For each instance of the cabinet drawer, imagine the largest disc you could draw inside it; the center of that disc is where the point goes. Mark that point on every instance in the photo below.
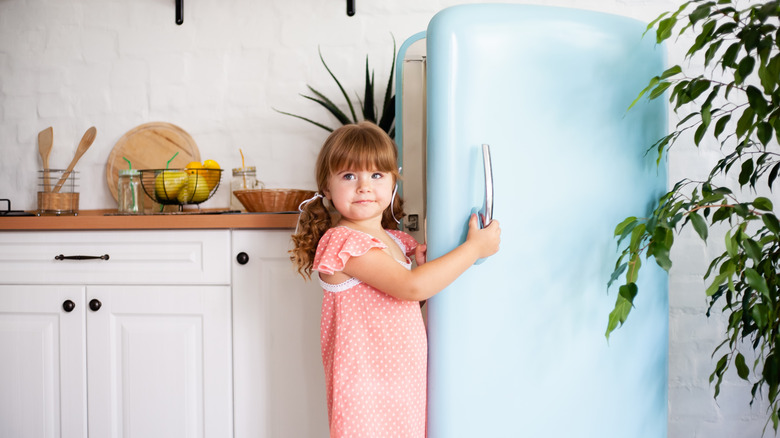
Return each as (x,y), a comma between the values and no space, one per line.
(134,257)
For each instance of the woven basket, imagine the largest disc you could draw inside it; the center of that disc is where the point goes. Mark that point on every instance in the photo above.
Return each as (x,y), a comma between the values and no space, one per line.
(272,200)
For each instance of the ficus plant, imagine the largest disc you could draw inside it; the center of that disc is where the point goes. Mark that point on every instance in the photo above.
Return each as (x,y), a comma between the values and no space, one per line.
(735,102)
(382,115)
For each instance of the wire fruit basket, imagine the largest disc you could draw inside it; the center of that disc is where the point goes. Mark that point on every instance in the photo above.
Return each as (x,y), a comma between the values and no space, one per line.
(180,186)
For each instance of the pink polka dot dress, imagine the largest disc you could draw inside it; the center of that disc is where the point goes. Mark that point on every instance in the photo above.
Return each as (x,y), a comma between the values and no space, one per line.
(374,346)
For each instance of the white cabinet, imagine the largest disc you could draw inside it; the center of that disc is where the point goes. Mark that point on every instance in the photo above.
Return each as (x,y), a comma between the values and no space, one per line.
(132,357)
(42,367)
(155,345)
(159,361)
(279,380)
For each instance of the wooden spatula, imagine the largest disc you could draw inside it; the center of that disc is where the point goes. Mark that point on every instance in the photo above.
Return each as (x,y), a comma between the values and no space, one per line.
(84,144)
(45,141)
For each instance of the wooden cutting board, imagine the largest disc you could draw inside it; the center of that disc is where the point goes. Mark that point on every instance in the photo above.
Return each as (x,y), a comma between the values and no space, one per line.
(150,146)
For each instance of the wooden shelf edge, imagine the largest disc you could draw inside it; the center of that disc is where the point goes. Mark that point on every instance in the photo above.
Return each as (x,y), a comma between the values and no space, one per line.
(99,220)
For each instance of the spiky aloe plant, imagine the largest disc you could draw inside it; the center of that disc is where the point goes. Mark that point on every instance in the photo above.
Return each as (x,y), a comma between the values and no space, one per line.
(385,119)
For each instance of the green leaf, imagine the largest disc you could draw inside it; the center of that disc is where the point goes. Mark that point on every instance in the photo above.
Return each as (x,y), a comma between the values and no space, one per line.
(616,273)
(760,313)
(756,281)
(771,223)
(633,268)
(720,368)
(327,128)
(653,82)
(343,92)
(745,122)
(699,134)
(702,11)
(752,250)
(388,107)
(700,225)
(628,292)
(716,282)
(744,68)
(369,110)
(731,244)
(671,71)
(730,55)
(762,203)
(757,101)
(631,220)
(773,175)
(637,235)
(659,90)
(328,105)
(746,172)
(742,369)
(720,125)
(764,132)
(665,27)
(619,314)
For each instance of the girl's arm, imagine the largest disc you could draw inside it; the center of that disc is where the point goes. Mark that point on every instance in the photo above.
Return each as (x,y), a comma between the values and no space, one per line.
(381,271)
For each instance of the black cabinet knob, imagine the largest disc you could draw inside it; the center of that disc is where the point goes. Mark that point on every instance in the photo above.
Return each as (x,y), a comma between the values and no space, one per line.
(242,258)
(95,305)
(68,306)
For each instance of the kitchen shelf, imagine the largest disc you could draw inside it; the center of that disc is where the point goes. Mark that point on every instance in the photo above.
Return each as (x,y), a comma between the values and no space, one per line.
(109,220)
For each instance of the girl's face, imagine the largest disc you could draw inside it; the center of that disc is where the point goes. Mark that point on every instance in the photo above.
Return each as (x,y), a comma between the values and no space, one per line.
(360,195)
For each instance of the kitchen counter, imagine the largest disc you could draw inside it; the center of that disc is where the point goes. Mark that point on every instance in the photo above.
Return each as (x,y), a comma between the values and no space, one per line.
(110,220)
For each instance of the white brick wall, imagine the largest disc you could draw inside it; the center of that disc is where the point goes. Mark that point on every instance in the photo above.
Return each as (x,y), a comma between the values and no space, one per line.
(116,64)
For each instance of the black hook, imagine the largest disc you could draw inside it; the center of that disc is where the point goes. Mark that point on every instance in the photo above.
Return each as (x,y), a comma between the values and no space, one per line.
(350,7)
(179,12)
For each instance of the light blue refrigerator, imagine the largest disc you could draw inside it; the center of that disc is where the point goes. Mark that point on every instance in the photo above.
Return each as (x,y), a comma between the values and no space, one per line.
(517,345)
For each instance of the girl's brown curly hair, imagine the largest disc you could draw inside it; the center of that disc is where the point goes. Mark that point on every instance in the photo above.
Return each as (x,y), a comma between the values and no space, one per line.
(356,147)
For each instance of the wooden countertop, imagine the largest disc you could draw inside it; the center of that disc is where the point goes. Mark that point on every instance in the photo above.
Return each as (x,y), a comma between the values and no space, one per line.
(110,220)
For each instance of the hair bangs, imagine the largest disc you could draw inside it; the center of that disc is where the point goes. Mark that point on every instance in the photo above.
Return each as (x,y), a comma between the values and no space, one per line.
(364,149)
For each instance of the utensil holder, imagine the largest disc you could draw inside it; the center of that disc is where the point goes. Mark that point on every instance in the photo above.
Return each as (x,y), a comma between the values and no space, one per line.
(63,203)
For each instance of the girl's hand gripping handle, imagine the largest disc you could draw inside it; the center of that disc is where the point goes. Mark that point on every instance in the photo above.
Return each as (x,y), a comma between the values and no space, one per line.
(486,240)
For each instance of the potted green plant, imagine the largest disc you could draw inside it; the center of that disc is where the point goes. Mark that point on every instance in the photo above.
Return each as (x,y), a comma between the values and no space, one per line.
(736,102)
(383,116)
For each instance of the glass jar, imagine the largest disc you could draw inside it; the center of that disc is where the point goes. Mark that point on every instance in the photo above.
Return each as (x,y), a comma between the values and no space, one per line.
(244,178)
(130,194)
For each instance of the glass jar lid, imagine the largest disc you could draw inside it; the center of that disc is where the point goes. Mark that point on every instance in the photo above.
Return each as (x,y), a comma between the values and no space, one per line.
(247,169)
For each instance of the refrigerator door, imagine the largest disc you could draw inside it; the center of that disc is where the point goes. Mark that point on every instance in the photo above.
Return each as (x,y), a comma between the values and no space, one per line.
(517,346)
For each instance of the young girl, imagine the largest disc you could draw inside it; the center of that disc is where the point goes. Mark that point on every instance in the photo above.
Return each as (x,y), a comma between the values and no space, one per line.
(374,346)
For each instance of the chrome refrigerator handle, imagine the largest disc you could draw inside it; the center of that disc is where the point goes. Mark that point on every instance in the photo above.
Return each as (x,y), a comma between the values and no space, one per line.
(486,214)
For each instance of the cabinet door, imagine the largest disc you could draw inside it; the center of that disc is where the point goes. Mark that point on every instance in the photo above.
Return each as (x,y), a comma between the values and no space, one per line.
(280,384)
(42,369)
(159,361)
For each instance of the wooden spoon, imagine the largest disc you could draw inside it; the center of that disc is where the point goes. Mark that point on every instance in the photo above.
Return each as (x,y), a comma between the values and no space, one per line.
(84,144)
(45,141)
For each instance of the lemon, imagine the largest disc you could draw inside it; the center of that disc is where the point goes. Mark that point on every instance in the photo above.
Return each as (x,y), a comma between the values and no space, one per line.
(168,183)
(212,177)
(195,191)
(193,165)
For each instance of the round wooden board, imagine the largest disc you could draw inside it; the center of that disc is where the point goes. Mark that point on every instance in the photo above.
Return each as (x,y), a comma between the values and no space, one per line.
(150,146)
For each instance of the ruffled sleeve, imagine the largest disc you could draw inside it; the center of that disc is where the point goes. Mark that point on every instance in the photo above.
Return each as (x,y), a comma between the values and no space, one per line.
(338,245)
(409,242)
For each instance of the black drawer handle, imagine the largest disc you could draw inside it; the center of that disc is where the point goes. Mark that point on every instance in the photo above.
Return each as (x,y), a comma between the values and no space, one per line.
(80,257)
(68,306)
(95,304)
(242,258)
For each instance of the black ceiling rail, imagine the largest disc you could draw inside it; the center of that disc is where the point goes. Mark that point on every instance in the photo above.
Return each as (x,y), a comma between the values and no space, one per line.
(350,7)
(179,12)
